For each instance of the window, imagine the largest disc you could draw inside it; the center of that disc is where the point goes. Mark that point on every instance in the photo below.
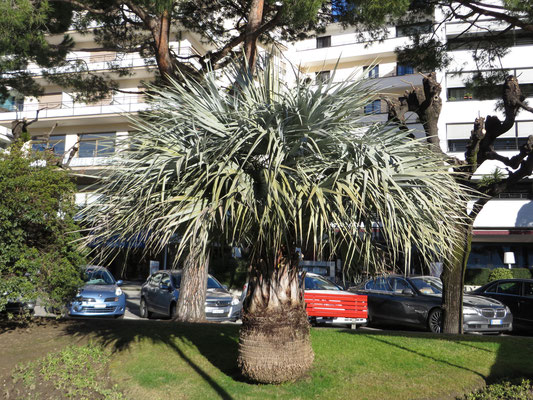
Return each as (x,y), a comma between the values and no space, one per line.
(155,279)
(398,285)
(165,280)
(56,143)
(380,284)
(414,29)
(97,145)
(322,77)
(373,108)
(459,145)
(12,104)
(528,289)
(323,41)
(404,70)
(372,72)
(509,288)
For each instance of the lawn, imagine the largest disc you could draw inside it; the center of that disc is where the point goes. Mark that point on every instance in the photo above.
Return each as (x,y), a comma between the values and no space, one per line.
(165,360)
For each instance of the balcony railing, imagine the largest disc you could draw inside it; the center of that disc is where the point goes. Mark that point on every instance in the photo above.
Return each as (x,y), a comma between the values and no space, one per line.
(122,60)
(70,108)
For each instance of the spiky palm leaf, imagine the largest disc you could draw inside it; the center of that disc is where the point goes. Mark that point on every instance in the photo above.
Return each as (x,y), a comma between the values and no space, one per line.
(274,166)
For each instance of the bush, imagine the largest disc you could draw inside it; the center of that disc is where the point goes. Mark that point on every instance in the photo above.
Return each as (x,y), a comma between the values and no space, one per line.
(38,258)
(480,276)
(500,273)
(505,390)
(229,271)
(521,273)
(477,276)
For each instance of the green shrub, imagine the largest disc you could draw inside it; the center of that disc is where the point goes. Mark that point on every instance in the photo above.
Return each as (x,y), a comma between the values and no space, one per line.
(521,273)
(229,271)
(477,276)
(505,390)
(500,273)
(481,276)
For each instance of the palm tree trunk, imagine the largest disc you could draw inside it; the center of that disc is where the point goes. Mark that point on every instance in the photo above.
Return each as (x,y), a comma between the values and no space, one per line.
(193,287)
(274,341)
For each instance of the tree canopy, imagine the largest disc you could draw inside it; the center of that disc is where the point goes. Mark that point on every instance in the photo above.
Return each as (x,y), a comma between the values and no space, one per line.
(146,28)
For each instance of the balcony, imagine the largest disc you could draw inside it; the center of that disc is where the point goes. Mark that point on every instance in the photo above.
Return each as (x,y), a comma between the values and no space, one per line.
(347,52)
(64,109)
(99,62)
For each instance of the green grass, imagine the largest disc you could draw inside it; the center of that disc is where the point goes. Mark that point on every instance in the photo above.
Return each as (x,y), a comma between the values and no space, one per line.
(165,360)
(171,361)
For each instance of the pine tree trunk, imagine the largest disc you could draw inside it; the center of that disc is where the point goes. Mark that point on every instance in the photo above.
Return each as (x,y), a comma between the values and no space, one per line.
(274,341)
(193,288)
(453,282)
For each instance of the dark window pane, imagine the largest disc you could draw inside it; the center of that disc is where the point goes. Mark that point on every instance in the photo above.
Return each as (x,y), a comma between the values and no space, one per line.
(323,41)
(528,289)
(414,29)
(97,144)
(404,70)
(509,287)
(372,72)
(322,77)
(57,143)
(373,108)
(87,149)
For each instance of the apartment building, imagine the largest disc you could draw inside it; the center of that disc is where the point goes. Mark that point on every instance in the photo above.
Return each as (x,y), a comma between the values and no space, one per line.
(504,225)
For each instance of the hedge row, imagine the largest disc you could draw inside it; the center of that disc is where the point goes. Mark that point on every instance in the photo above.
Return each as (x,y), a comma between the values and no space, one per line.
(480,276)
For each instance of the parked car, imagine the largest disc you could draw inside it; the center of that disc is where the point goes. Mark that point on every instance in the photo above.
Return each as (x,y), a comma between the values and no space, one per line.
(517,294)
(100,296)
(19,307)
(417,302)
(160,292)
(315,283)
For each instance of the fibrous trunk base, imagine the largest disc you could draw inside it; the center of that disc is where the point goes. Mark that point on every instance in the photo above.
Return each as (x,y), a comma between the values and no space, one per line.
(274,345)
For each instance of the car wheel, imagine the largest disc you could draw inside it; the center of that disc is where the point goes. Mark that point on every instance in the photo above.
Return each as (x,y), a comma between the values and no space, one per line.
(144,309)
(435,320)
(172,313)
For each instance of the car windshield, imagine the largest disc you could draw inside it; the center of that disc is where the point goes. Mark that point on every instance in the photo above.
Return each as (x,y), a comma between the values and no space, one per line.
(98,277)
(212,283)
(317,283)
(427,285)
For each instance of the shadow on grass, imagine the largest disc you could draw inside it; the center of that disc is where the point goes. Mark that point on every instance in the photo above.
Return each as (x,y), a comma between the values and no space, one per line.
(217,343)
(513,355)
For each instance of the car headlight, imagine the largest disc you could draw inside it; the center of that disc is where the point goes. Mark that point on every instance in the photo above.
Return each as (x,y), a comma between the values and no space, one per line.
(118,291)
(470,311)
(235,301)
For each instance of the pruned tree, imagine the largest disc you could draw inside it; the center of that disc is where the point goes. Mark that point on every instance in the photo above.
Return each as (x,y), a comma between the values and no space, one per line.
(426,103)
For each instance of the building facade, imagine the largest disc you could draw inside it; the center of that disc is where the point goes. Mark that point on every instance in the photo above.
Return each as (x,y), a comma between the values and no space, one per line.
(504,225)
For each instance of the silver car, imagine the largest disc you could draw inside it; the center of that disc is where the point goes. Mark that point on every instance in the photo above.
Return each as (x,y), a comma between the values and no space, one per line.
(160,292)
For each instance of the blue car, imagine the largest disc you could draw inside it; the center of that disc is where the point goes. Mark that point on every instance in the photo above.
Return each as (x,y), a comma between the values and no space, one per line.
(100,297)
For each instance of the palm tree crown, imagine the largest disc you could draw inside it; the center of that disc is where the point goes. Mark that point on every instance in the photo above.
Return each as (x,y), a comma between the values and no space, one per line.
(274,166)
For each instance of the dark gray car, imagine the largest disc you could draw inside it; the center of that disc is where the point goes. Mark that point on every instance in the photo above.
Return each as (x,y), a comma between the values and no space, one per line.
(517,294)
(160,292)
(417,302)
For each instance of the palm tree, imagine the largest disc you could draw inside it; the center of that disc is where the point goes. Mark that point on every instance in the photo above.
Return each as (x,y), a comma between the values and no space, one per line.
(276,167)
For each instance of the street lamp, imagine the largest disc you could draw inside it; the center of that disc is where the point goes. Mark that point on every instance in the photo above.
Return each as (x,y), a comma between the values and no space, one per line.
(508,258)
